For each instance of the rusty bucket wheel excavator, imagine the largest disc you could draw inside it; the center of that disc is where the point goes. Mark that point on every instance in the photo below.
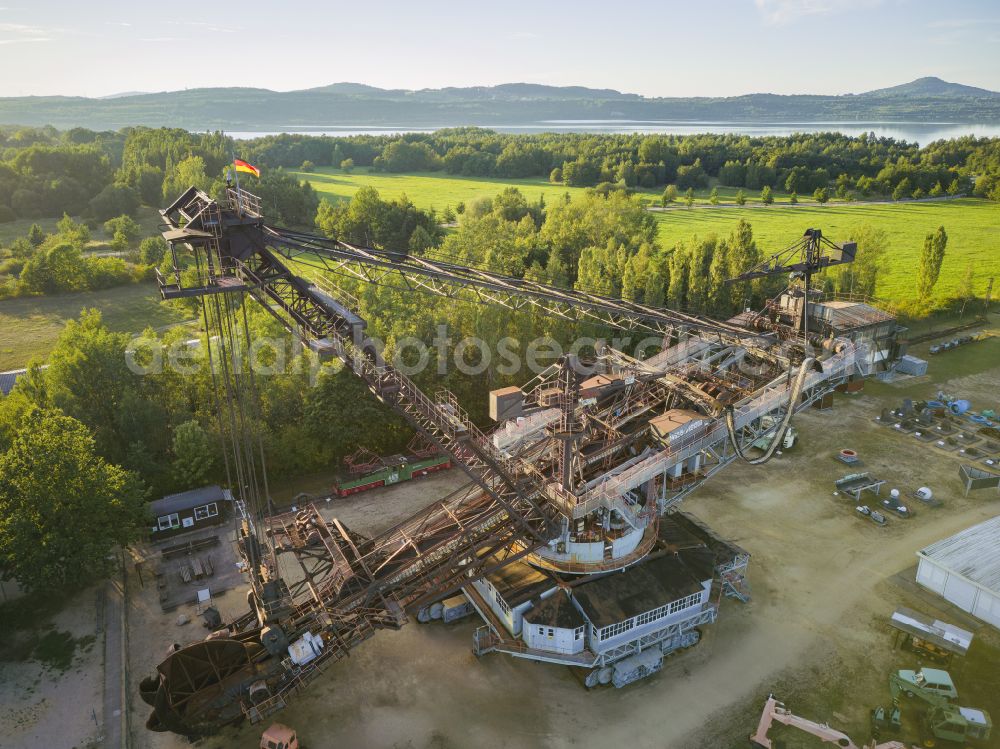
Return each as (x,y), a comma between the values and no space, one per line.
(583,461)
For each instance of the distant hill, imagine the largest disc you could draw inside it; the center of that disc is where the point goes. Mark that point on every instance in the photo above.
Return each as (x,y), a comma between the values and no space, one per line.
(931,86)
(360,105)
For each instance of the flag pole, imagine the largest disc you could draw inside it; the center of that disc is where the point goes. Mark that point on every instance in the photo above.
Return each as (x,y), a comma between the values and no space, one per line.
(236,175)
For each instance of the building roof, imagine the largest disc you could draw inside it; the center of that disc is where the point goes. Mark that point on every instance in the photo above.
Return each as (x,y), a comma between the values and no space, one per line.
(947,636)
(518,582)
(621,595)
(973,553)
(9,378)
(846,315)
(673,420)
(187,500)
(555,611)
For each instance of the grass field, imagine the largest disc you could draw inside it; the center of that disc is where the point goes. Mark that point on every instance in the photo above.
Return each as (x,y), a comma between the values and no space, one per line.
(148,218)
(438,189)
(973,225)
(973,228)
(31,325)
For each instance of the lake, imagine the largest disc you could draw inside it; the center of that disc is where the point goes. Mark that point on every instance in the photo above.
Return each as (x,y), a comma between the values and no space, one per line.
(921,132)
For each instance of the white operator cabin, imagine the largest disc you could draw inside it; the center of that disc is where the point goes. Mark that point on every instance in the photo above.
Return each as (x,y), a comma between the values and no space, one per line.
(965,570)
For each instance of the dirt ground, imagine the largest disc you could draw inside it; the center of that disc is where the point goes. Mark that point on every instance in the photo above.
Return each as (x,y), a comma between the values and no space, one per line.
(824,583)
(51,694)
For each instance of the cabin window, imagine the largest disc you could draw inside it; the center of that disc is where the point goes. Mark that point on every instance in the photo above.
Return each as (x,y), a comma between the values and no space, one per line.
(685,603)
(541,630)
(578,633)
(206,511)
(166,522)
(551,632)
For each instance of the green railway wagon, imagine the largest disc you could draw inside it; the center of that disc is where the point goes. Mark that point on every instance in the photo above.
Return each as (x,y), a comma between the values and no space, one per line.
(398,468)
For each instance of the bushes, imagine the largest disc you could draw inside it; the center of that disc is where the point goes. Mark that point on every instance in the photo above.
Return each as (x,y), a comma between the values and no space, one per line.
(55,269)
(124,232)
(285,199)
(59,267)
(26,203)
(401,156)
(152,250)
(691,176)
(114,200)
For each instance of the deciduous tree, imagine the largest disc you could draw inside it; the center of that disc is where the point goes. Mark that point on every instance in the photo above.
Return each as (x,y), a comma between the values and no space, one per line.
(930,263)
(63,508)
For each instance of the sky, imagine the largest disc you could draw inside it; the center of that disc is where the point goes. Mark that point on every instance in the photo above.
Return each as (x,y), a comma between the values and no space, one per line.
(664,48)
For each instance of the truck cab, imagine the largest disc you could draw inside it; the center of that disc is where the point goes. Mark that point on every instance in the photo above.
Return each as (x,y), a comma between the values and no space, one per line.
(954,725)
(929,684)
(279,736)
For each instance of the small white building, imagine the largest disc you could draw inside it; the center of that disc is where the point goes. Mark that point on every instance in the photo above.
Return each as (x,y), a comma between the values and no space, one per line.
(509,591)
(965,570)
(554,624)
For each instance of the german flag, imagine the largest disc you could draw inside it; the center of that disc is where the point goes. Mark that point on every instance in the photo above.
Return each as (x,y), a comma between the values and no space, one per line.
(242,166)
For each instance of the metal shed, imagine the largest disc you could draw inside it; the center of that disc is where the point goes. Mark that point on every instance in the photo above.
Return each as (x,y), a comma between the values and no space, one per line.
(965,570)
(911,365)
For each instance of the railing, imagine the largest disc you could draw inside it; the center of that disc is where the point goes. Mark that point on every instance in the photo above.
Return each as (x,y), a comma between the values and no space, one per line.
(337,292)
(244,203)
(605,565)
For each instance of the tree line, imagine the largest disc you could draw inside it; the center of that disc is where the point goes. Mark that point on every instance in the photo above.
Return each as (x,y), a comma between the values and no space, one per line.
(802,163)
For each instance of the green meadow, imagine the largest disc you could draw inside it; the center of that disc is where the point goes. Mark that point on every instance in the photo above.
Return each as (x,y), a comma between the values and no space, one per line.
(439,189)
(32,324)
(973,228)
(973,225)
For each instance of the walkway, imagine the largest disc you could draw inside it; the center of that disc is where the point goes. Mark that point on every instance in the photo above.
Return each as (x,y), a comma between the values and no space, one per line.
(114,661)
(803,203)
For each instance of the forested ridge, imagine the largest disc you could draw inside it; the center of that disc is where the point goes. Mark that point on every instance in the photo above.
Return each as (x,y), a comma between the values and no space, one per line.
(516,103)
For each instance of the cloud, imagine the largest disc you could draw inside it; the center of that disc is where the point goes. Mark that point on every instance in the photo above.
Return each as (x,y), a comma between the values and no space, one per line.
(779,12)
(210,27)
(26,40)
(21,33)
(962,23)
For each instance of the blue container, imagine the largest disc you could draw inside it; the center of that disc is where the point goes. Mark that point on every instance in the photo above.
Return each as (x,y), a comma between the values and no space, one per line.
(935,404)
(959,406)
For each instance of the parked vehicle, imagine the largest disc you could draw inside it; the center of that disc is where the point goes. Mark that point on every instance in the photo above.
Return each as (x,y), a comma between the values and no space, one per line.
(929,684)
(951,725)
(279,736)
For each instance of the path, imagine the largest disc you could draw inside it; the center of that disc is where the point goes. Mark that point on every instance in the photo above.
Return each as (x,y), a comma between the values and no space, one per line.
(802,204)
(113,665)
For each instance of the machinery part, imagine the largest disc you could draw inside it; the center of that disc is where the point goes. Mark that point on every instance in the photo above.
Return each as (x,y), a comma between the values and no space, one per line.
(779,433)
(776,712)
(279,736)
(350,585)
(191,681)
